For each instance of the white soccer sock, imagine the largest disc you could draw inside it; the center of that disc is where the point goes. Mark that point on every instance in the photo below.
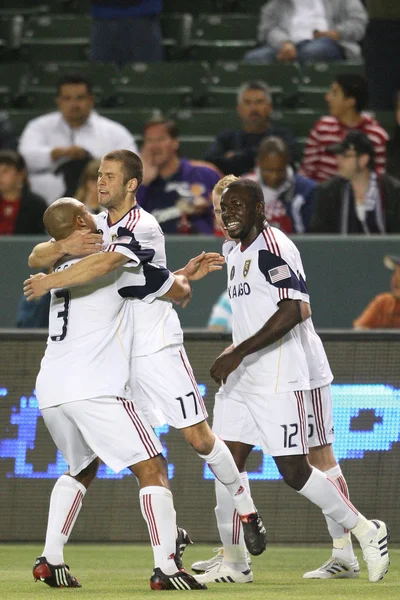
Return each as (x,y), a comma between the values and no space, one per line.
(221,463)
(323,492)
(342,546)
(230,527)
(65,505)
(158,511)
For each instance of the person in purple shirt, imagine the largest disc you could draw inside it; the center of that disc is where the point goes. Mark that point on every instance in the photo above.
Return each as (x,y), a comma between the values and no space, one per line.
(176,191)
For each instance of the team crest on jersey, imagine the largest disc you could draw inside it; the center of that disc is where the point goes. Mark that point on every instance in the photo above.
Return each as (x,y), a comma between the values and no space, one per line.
(99,231)
(246,267)
(232,275)
(114,237)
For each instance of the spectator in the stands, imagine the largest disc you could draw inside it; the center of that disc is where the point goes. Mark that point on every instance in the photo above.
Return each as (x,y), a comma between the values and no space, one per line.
(347,99)
(393,145)
(309,31)
(87,191)
(383,312)
(21,211)
(358,200)
(8,138)
(289,198)
(234,150)
(58,145)
(125,31)
(175,190)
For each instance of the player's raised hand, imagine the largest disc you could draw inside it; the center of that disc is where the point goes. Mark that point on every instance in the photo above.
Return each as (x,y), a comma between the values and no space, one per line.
(199,266)
(82,243)
(225,364)
(35,286)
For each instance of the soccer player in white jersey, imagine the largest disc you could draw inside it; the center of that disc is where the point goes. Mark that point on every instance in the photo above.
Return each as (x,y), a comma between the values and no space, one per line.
(90,414)
(234,424)
(266,367)
(163,381)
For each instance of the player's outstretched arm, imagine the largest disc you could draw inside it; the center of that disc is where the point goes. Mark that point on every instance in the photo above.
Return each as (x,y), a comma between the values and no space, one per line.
(180,291)
(85,270)
(79,243)
(199,266)
(282,321)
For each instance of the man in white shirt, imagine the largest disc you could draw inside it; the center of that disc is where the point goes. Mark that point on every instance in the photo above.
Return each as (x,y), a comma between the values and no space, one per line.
(309,31)
(266,371)
(163,382)
(84,395)
(57,145)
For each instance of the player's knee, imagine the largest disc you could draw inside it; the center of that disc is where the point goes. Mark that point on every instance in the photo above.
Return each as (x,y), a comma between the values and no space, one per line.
(200,437)
(295,470)
(86,476)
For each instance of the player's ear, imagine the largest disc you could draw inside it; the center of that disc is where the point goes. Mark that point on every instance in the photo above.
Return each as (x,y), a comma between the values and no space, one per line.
(132,185)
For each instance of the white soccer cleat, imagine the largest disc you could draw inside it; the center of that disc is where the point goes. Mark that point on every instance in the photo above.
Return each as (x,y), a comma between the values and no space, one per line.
(335,568)
(375,552)
(201,566)
(204,565)
(221,573)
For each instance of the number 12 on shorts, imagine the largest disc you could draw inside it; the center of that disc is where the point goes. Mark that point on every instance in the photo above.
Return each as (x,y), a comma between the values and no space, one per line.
(182,401)
(290,431)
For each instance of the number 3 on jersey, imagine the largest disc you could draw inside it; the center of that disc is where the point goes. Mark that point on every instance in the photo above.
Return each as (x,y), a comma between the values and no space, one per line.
(62,314)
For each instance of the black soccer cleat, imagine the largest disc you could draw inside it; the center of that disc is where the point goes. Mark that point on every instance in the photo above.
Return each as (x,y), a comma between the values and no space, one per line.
(181,580)
(182,540)
(255,535)
(56,576)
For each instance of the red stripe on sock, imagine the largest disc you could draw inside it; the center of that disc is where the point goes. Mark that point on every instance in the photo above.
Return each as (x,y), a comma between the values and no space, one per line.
(148,510)
(72,513)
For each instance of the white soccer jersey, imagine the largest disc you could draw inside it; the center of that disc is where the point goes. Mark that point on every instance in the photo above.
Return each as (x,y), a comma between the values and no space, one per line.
(155,322)
(259,277)
(89,344)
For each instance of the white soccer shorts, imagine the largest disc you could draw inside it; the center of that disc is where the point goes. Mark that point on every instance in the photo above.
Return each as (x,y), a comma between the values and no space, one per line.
(165,389)
(233,420)
(111,428)
(280,420)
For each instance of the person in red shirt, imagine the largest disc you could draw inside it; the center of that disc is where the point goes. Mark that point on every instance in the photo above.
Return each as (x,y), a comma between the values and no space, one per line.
(383,312)
(21,211)
(347,99)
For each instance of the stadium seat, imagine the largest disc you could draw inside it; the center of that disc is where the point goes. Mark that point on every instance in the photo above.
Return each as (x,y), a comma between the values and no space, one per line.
(172,84)
(204,122)
(56,38)
(12,76)
(298,121)
(214,50)
(19,118)
(227,77)
(176,31)
(205,6)
(194,146)
(43,78)
(23,7)
(132,119)
(225,27)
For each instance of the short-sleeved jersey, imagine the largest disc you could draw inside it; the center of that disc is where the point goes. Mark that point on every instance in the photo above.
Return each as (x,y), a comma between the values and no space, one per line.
(259,277)
(138,235)
(89,344)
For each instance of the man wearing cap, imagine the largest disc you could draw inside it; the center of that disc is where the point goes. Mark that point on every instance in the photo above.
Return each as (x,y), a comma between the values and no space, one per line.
(383,312)
(358,200)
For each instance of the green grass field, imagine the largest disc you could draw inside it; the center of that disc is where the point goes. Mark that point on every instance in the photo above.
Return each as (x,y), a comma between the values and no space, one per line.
(120,572)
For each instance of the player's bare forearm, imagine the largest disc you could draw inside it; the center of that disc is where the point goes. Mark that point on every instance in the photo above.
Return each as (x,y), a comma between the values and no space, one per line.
(286,317)
(180,291)
(87,269)
(45,255)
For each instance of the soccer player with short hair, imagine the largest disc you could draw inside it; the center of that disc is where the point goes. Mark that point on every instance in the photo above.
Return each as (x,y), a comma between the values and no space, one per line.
(90,414)
(234,424)
(266,369)
(172,396)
